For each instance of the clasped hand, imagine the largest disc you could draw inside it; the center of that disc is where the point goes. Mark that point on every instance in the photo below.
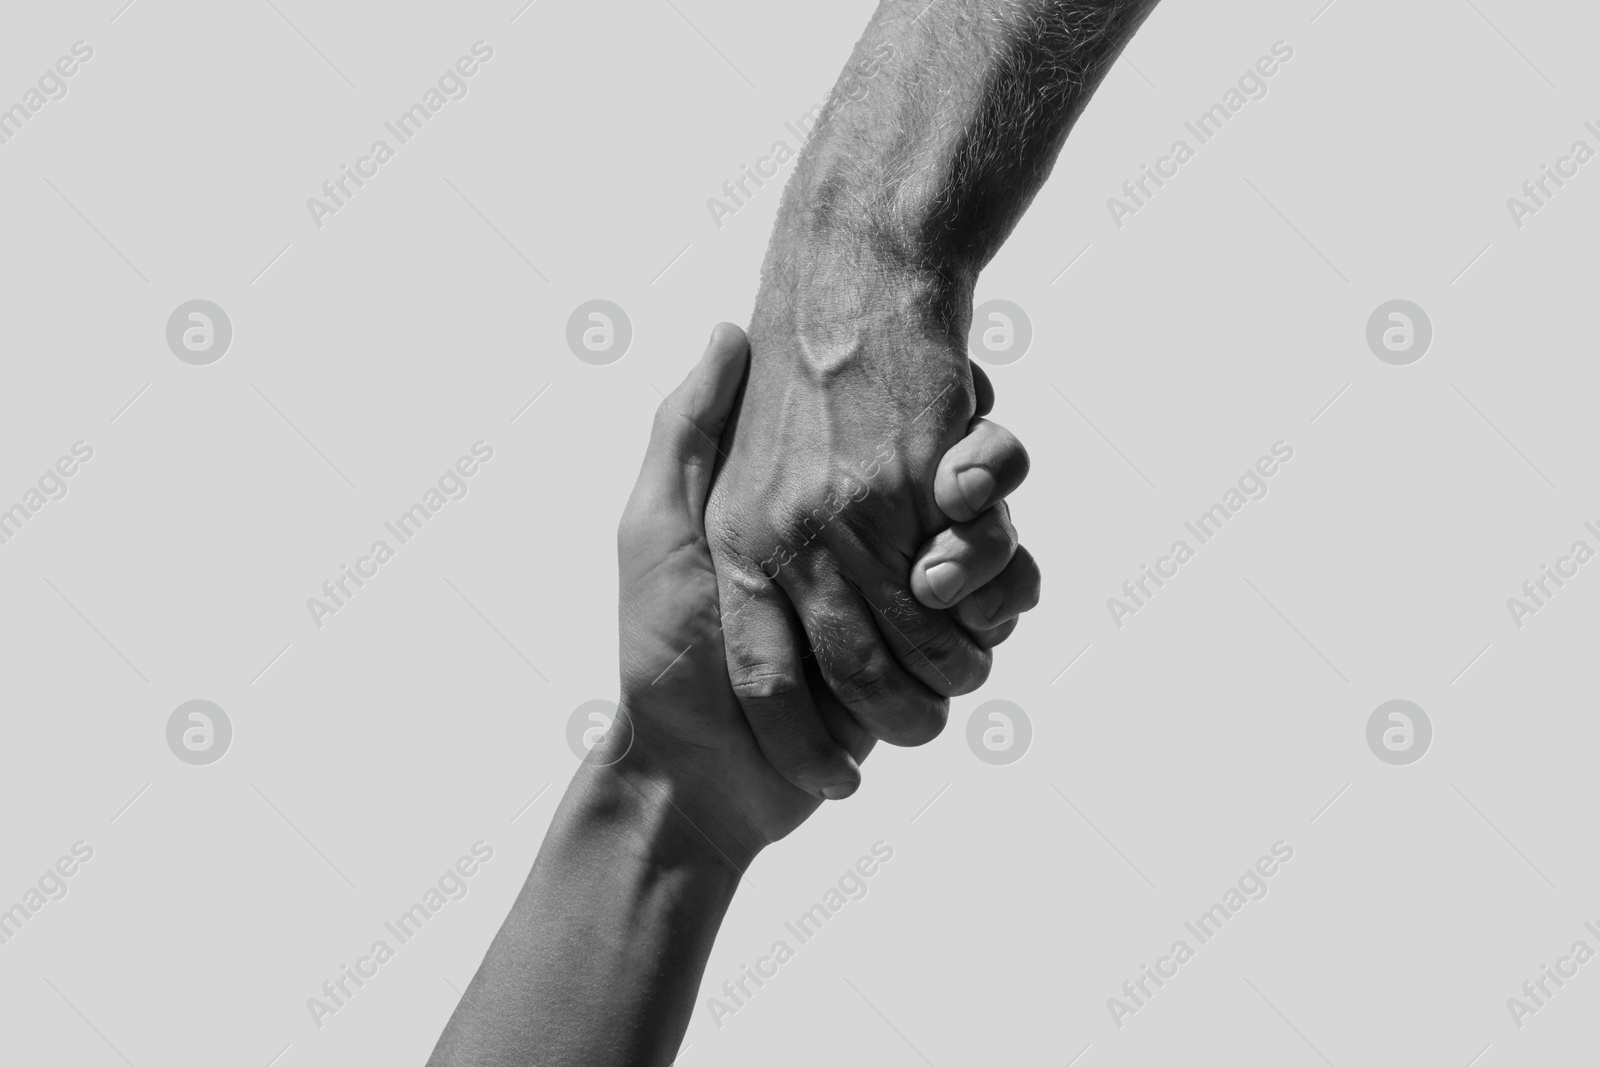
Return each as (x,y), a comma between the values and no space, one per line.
(747,780)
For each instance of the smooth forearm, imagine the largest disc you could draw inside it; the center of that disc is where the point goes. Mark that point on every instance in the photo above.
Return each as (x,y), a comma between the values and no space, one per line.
(600,958)
(926,174)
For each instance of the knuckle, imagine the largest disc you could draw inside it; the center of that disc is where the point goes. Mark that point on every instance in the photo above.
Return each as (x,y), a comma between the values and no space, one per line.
(959,664)
(976,673)
(781,522)
(1005,450)
(1023,461)
(862,678)
(889,703)
(818,502)
(999,535)
(1010,447)
(942,644)
(732,544)
(997,635)
(1026,598)
(977,618)
(1029,579)
(762,682)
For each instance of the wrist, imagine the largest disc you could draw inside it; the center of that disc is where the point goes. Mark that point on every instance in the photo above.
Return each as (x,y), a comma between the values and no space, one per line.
(667,817)
(842,289)
(838,231)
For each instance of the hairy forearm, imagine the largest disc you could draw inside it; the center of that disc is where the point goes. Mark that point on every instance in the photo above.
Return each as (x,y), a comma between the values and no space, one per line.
(925,176)
(599,961)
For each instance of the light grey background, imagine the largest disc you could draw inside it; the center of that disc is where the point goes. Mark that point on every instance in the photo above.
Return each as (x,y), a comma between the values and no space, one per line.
(369,354)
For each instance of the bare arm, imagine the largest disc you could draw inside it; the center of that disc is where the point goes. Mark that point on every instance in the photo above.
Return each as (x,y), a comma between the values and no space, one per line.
(859,376)
(930,171)
(600,959)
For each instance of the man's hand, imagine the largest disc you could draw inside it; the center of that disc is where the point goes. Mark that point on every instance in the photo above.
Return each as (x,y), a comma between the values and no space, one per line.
(859,379)
(825,496)
(976,567)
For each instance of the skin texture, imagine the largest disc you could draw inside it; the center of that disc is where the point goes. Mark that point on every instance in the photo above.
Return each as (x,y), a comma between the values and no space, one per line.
(860,381)
(600,959)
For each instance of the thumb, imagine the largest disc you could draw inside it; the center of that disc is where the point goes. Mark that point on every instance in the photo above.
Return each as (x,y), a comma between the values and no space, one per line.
(686,439)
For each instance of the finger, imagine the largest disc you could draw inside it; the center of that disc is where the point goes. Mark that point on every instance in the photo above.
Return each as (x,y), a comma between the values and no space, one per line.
(983,390)
(931,645)
(841,725)
(859,668)
(963,558)
(979,470)
(685,440)
(992,637)
(1013,591)
(764,644)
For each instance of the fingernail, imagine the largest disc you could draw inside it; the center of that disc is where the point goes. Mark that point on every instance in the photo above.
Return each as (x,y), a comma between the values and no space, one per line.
(947,580)
(839,792)
(977,486)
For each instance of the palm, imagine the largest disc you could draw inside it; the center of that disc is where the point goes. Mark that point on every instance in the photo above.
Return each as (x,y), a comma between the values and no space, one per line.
(675,679)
